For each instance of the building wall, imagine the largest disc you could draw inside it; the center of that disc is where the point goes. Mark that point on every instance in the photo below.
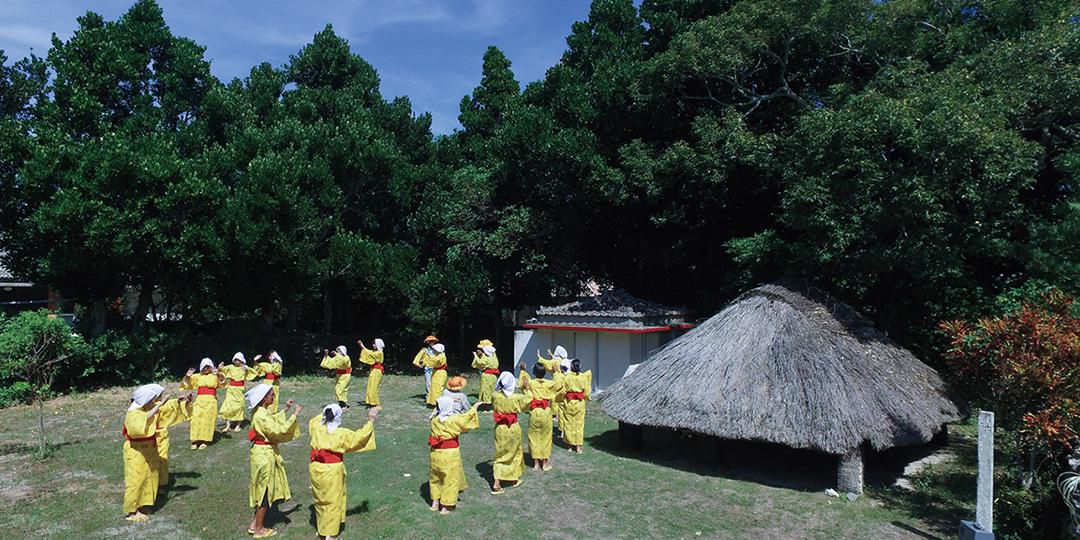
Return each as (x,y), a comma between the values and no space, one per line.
(606,354)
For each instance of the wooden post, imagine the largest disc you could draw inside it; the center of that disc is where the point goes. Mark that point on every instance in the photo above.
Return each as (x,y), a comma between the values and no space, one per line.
(984,501)
(849,473)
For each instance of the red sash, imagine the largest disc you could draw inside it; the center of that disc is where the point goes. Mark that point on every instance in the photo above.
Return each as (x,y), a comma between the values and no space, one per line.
(490,371)
(152,438)
(506,419)
(575,396)
(539,404)
(378,366)
(345,371)
(325,456)
(206,391)
(255,438)
(234,382)
(442,367)
(272,376)
(442,444)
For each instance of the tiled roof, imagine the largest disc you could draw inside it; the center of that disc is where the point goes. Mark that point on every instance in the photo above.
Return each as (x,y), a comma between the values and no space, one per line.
(614,303)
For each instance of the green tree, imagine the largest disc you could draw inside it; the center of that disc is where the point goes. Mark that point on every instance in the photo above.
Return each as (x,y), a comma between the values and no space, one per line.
(33,347)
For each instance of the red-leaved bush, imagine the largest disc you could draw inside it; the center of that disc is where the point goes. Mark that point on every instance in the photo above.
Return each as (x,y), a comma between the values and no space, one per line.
(1025,365)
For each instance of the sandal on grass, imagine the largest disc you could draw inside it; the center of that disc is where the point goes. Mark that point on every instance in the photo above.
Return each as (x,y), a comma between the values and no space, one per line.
(518,483)
(267,534)
(499,491)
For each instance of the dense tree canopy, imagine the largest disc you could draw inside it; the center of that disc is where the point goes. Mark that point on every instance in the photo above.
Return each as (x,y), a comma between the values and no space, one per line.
(915,157)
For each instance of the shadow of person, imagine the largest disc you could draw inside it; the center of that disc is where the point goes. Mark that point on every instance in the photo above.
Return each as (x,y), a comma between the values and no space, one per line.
(487,471)
(278,515)
(361,508)
(425,492)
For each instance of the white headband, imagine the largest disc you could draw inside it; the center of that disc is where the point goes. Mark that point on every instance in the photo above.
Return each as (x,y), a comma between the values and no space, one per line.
(334,422)
(379,344)
(257,394)
(206,363)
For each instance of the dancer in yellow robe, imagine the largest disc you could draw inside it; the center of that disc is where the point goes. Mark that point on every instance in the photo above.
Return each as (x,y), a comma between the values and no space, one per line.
(339,361)
(437,363)
(373,358)
(204,410)
(269,367)
(418,360)
(572,421)
(170,413)
(446,472)
(329,441)
(236,377)
(140,452)
(541,393)
(485,360)
(269,483)
(509,462)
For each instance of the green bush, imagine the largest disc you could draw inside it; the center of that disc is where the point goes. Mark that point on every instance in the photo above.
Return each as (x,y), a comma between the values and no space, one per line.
(16,393)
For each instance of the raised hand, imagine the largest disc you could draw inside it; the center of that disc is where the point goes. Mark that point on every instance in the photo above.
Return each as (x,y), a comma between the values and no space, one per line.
(190,372)
(373,413)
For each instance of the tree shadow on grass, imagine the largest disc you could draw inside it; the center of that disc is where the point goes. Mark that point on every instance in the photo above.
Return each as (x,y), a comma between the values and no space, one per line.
(22,448)
(943,493)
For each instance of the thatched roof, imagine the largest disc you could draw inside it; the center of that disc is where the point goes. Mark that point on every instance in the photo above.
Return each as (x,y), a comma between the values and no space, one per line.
(786,363)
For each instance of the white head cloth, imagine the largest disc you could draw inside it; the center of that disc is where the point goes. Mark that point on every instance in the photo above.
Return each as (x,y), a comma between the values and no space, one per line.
(439,348)
(206,363)
(256,359)
(560,352)
(145,394)
(489,350)
(565,364)
(342,350)
(275,357)
(444,407)
(335,421)
(256,394)
(507,383)
(379,344)
(239,356)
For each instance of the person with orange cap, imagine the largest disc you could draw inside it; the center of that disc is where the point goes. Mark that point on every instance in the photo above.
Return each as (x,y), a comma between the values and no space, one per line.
(418,360)
(433,356)
(485,360)
(373,358)
(454,387)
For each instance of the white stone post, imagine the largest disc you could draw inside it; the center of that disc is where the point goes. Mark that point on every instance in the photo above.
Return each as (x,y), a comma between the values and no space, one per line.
(984,502)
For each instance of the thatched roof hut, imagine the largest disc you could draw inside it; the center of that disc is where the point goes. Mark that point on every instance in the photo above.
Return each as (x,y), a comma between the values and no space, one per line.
(786,363)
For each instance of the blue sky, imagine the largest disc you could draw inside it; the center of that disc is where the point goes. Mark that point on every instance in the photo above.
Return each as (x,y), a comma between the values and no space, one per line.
(429,50)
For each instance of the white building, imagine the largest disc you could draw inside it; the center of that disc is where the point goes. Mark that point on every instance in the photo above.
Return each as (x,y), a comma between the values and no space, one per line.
(608,333)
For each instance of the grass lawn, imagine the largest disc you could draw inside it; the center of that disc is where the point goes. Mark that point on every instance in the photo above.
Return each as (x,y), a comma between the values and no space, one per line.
(603,493)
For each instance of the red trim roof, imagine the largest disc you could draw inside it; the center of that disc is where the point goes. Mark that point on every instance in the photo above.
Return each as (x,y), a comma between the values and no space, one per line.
(568,328)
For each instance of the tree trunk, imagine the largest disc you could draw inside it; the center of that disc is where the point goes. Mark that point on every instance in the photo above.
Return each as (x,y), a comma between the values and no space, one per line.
(327,311)
(1027,473)
(42,443)
(291,316)
(97,317)
(142,308)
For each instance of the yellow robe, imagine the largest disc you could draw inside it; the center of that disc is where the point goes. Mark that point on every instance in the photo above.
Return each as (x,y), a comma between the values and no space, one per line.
(540,423)
(232,407)
(140,462)
(204,410)
(170,413)
(487,380)
(438,376)
(268,480)
(370,357)
(265,368)
(328,479)
(572,419)
(341,383)
(509,454)
(447,475)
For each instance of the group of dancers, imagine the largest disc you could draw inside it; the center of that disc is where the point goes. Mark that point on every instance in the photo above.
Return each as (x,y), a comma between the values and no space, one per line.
(151,413)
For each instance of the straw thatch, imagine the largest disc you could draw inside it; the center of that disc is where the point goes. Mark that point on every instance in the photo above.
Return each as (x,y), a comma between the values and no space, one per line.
(785,363)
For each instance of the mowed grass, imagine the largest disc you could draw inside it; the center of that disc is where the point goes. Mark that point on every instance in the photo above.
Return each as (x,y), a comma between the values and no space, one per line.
(603,493)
